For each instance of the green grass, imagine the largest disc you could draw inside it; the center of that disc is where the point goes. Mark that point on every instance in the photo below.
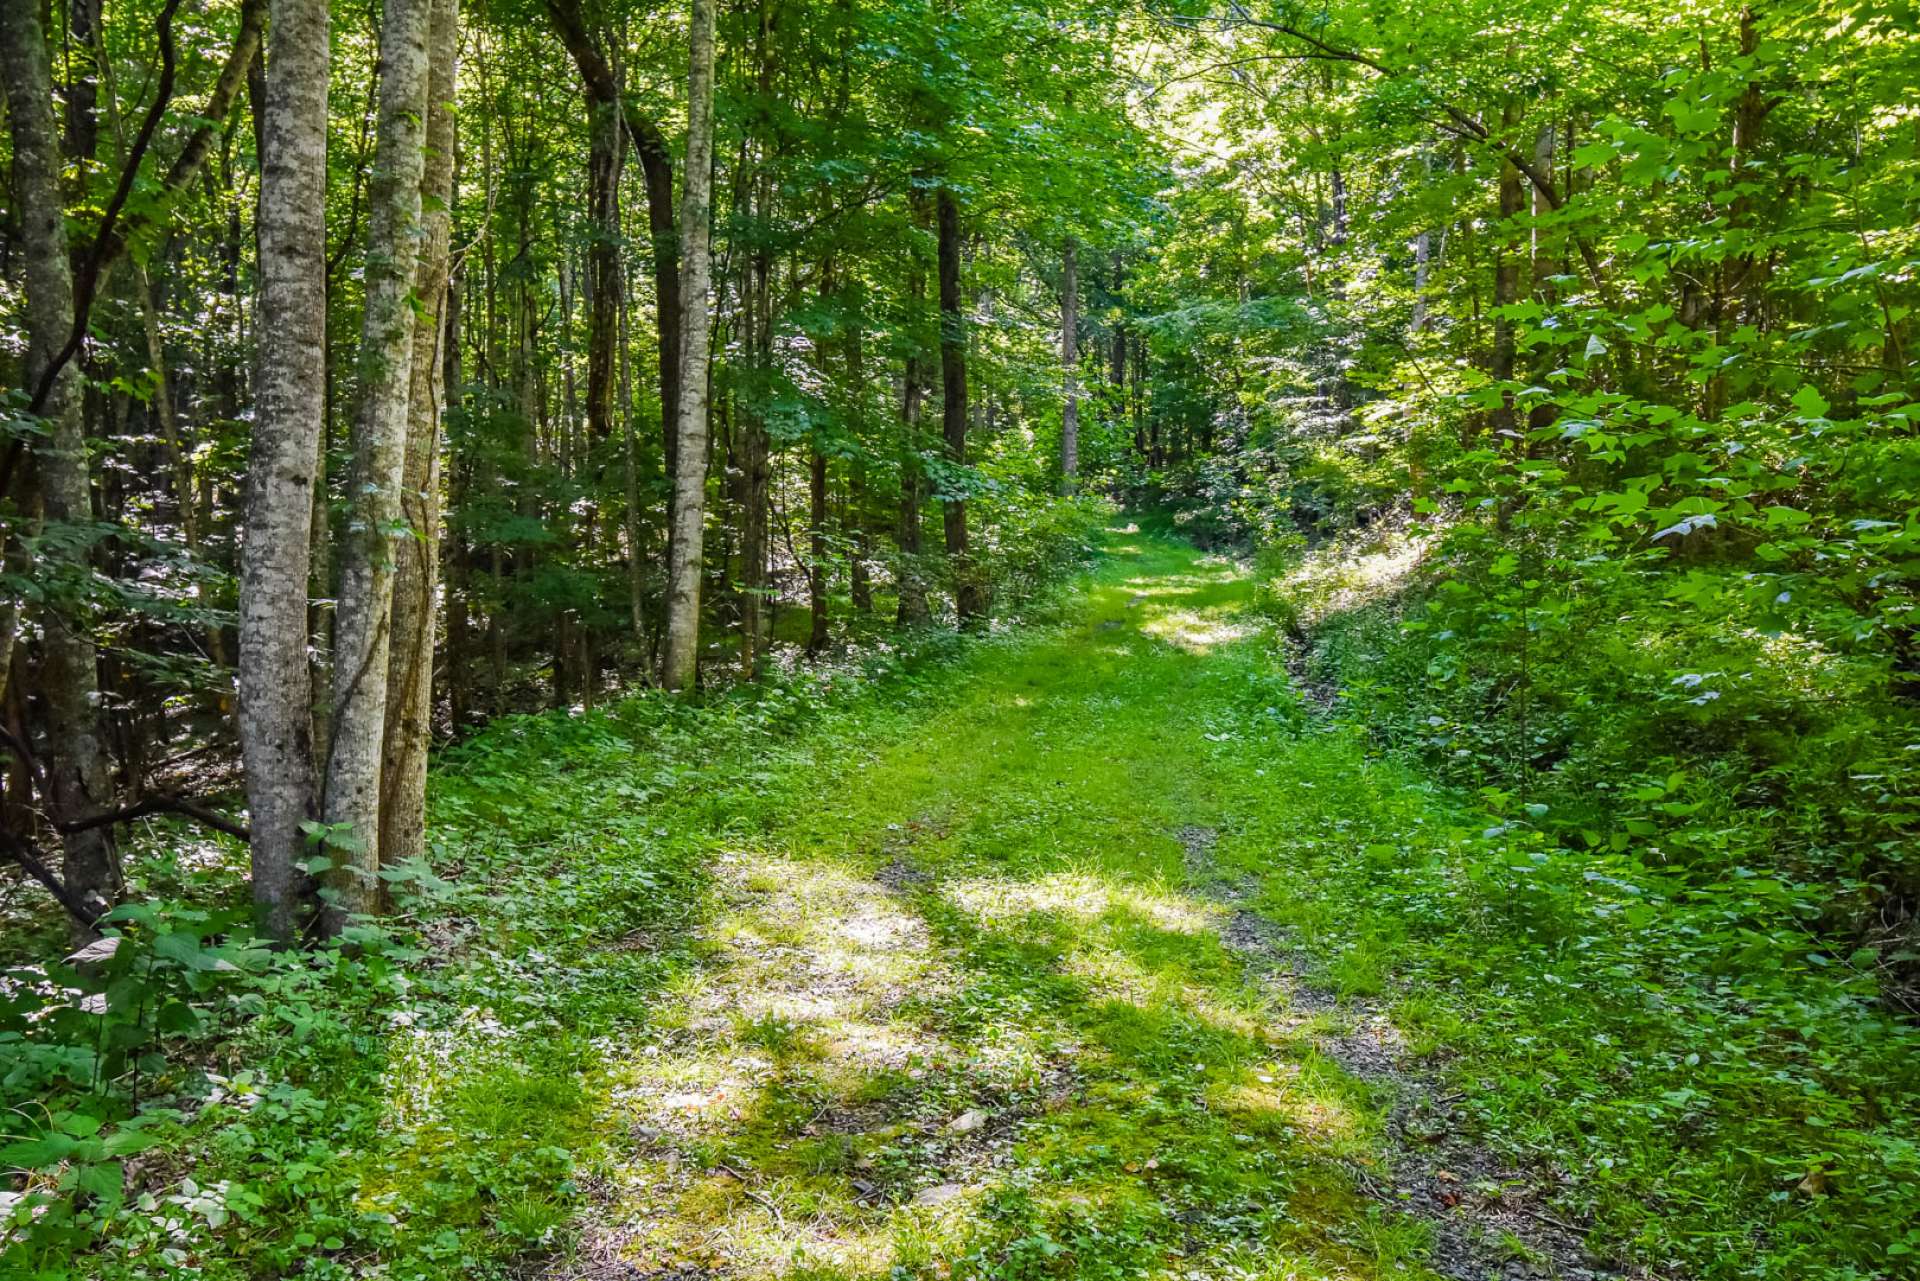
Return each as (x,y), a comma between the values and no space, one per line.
(909,971)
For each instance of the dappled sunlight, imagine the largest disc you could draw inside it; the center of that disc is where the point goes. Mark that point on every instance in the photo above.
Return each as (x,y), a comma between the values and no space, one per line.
(1081,895)
(786,1071)
(1351,571)
(1317,1115)
(975,1004)
(1196,633)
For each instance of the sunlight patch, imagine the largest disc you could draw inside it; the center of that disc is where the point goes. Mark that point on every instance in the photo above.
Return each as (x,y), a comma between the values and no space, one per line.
(1349,572)
(1196,633)
(1078,895)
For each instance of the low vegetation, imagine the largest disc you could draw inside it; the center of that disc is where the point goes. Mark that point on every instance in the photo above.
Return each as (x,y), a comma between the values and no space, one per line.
(1095,947)
(855,639)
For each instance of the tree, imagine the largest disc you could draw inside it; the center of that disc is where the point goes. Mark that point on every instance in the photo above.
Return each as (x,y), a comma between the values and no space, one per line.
(969,596)
(275,691)
(363,631)
(409,713)
(690,463)
(78,778)
(1069,365)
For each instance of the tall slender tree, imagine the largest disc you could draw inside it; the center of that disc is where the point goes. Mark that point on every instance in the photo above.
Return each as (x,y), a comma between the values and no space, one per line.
(690,462)
(78,773)
(969,593)
(1070,365)
(290,399)
(363,631)
(416,574)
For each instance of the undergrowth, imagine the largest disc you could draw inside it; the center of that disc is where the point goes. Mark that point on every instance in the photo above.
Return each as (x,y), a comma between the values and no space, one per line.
(834,916)
(424,1098)
(1634,897)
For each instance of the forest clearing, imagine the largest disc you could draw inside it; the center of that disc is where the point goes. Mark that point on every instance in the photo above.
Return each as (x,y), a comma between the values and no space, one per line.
(838,640)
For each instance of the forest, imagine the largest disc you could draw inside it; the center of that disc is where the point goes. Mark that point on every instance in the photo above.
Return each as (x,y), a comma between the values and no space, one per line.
(959,639)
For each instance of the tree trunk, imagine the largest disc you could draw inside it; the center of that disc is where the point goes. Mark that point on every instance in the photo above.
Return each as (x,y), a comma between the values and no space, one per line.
(1506,277)
(656,165)
(756,323)
(79,774)
(1544,265)
(630,461)
(290,398)
(1070,366)
(362,630)
(968,597)
(853,516)
(409,721)
(690,464)
(817,552)
(1422,260)
(1421,267)
(911,585)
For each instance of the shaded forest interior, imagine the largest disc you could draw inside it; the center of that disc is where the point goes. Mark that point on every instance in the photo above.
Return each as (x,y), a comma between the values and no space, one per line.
(407,403)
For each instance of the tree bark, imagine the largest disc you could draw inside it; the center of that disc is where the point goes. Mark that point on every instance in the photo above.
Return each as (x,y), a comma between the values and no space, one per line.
(854,515)
(409,721)
(968,597)
(290,399)
(690,464)
(362,630)
(1422,266)
(1506,277)
(1070,365)
(79,777)
(656,166)
(911,585)
(817,552)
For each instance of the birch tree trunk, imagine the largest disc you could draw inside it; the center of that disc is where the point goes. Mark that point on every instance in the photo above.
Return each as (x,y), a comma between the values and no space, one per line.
(290,399)
(403,799)
(1070,366)
(362,628)
(690,462)
(79,774)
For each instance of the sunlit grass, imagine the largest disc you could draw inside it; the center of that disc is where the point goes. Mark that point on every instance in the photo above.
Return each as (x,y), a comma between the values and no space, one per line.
(967,1002)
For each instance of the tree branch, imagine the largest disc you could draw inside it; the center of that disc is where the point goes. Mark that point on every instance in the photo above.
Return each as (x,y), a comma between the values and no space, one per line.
(86,286)
(22,853)
(110,241)
(158,804)
(1463,125)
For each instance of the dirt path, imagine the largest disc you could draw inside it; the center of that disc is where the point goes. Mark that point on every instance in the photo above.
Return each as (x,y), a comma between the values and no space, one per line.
(1006,1002)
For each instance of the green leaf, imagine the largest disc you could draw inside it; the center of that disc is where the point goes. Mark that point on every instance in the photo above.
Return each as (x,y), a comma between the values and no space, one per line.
(37,1154)
(1810,402)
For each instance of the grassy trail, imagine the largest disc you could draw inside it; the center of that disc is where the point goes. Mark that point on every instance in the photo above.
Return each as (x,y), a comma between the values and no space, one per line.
(1007,992)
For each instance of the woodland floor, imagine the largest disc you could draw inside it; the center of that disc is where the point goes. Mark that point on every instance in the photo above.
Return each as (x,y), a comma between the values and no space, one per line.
(1031,985)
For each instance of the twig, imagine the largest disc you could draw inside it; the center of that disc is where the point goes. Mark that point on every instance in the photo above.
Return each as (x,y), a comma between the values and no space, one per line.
(778,1218)
(1552,1222)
